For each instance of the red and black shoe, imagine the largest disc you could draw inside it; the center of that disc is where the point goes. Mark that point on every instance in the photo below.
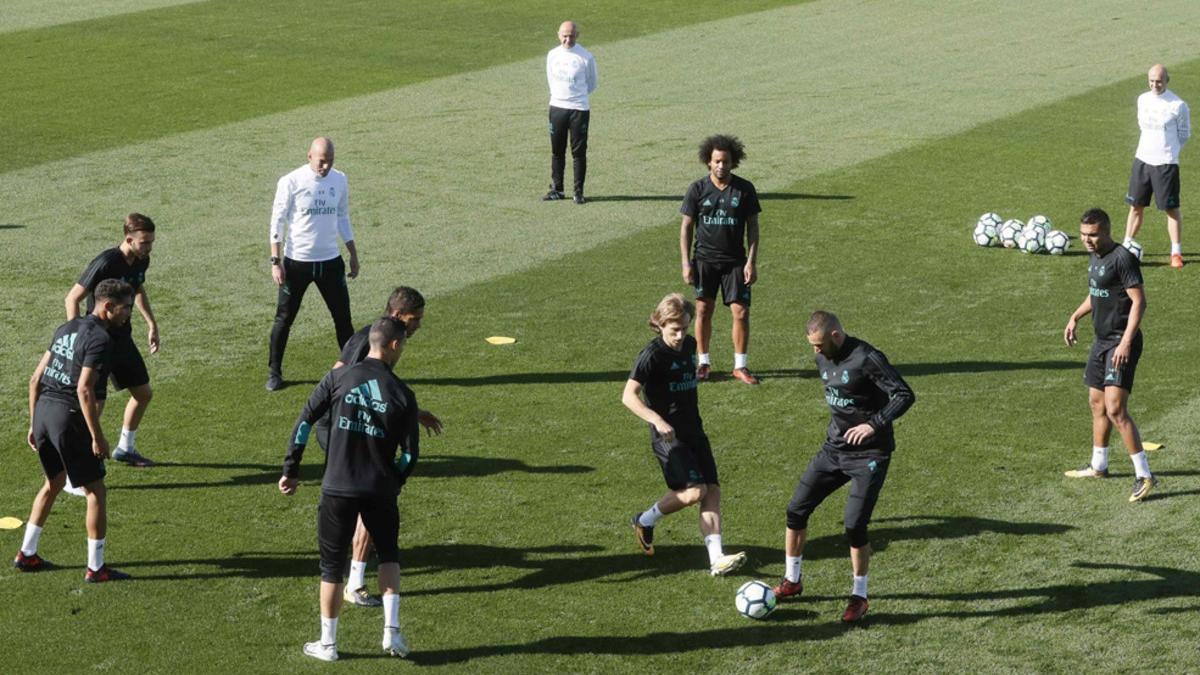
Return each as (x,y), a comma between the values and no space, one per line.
(855,610)
(105,573)
(31,563)
(703,371)
(788,589)
(743,375)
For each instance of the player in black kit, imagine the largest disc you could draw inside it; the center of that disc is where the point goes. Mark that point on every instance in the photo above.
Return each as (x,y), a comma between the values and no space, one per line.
(1117,302)
(665,373)
(722,210)
(865,396)
(408,305)
(127,262)
(372,450)
(65,431)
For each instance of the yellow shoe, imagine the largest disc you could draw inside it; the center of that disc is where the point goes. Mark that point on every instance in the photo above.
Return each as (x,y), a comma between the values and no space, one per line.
(727,563)
(1086,472)
(1142,487)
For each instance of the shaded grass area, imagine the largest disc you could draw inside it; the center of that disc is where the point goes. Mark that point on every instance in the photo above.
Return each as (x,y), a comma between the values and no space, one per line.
(516,552)
(119,80)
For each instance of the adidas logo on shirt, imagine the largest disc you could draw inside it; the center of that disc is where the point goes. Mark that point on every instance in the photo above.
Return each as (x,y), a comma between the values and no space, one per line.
(65,346)
(368,395)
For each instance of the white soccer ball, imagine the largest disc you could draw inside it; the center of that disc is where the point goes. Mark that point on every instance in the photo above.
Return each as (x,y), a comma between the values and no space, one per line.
(1135,248)
(1057,242)
(986,235)
(1008,233)
(755,600)
(1031,241)
(1041,222)
(990,218)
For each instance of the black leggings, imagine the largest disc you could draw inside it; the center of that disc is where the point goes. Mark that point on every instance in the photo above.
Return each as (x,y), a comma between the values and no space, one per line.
(563,120)
(330,278)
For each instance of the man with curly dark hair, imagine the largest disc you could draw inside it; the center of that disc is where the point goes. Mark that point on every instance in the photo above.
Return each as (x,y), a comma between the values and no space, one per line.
(720,213)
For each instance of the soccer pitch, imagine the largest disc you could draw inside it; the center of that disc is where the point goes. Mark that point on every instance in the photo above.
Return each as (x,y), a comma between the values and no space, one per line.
(876,132)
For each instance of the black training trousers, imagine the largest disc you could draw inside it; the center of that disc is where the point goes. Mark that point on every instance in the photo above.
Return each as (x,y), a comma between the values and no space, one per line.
(562,121)
(330,278)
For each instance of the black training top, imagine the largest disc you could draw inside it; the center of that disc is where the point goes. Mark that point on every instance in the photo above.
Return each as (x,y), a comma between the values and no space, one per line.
(668,379)
(111,265)
(1109,276)
(861,386)
(374,438)
(357,347)
(82,342)
(720,217)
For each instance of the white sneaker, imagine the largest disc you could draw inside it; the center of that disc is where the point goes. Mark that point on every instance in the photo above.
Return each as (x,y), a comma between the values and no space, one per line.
(727,563)
(361,597)
(320,651)
(393,642)
(71,489)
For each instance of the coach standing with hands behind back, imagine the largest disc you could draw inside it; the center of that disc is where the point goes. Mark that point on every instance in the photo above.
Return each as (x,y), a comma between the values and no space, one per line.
(571,73)
(312,205)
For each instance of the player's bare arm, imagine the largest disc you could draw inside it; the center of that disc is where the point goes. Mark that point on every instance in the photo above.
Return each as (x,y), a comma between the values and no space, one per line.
(1081,311)
(277,273)
(74,297)
(353,259)
(91,410)
(1137,295)
(433,426)
(142,301)
(35,389)
(632,398)
(687,228)
(751,269)
(859,434)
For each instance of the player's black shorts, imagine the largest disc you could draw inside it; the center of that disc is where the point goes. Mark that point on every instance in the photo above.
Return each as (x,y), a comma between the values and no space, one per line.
(336,520)
(64,442)
(1100,373)
(729,277)
(828,471)
(1161,180)
(128,367)
(685,461)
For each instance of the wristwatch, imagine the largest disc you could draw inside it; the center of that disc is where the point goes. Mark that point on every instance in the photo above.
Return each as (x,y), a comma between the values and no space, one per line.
(274,260)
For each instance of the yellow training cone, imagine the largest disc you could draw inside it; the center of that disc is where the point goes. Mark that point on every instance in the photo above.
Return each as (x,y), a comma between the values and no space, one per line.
(501,340)
(9,523)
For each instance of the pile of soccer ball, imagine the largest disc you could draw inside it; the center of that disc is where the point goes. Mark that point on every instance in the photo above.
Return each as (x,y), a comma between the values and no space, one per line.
(1034,236)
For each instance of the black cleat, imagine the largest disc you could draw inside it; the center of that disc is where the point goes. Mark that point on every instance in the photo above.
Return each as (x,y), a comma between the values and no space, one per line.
(644,535)
(274,382)
(553,196)
(579,198)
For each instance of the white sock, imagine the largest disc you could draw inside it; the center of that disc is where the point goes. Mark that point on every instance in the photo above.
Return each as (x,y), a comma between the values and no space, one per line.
(860,586)
(95,554)
(1141,465)
(391,610)
(791,568)
(650,516)
(358,573)
(703,359)
(713,543)
(127,437)
(1176,249)
(739,361)
(32,534)
(329,631)
(1127,242)
(1099,458)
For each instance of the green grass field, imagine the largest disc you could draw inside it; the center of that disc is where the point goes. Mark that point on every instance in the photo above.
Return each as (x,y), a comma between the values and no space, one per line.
(877,133)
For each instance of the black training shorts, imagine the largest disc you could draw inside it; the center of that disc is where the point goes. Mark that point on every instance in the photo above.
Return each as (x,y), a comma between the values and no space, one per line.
(685,461)
(336,520)
(730,278)
(128,367)
(1161,180)
(64,442)
(828,471)
(1100,373)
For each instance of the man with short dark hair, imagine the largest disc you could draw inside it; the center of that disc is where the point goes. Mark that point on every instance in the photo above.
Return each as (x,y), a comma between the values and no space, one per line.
(721,210)
(310,213)
(65,430)
(1166,124)
(372,451)
(127,262)
(865,395)
(1116,300)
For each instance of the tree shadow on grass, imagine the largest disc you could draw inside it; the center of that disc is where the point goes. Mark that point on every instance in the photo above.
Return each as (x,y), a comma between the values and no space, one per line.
(11,226)
(430,466)
(765,196)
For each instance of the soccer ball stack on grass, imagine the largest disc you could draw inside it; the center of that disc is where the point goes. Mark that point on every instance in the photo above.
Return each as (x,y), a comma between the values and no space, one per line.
(1034,236)
(755,600)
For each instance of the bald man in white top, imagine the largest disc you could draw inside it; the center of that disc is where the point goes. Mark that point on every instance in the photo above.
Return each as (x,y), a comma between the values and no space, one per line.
(1166,124)
(571,74)
(311,212)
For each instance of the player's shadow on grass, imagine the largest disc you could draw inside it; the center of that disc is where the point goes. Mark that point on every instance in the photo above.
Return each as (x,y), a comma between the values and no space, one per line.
(435,466)
(884,531)
(765,196)
(939,368)
(525,378)
(11,226)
